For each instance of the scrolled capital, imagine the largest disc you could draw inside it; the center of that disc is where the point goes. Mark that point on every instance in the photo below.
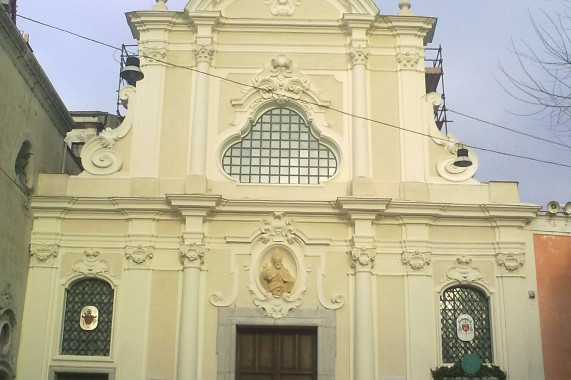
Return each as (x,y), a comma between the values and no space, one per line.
(203,52)
(363,258)
(359,55)
(192,255)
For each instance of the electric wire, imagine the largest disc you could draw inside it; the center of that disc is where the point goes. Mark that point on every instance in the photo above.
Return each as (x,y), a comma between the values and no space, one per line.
(272,93)
(506,128)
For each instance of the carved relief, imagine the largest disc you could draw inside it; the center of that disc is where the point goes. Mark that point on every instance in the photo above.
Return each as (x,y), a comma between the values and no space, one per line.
(152,54)
(91,266)
(281,81)
(98,156)
(416,259)
(283,7)
(408,59)
(275,277)
(277,227)
(42,253)
(359,55)
(464,273)
(139,253)
(203,52)
(510,261)
(445,165)
(363,258)
(274,288)
(192,255)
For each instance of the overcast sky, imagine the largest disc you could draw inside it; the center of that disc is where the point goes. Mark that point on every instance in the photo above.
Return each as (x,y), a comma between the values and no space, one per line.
(476,36)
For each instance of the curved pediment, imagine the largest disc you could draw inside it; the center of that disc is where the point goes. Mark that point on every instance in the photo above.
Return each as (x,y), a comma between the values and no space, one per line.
(306,9)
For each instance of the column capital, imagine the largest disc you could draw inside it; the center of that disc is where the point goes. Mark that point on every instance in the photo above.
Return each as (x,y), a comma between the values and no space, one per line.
(359,55)
(203,52)
(192,255)
(363,258)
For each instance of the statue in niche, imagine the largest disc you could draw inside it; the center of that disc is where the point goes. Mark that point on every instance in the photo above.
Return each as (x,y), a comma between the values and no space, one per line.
(276,278)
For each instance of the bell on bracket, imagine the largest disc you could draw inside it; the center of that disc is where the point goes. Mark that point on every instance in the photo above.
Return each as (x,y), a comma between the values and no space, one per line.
(462,159)
(132,72)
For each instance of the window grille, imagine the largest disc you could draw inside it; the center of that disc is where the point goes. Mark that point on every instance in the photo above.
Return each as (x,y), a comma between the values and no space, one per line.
(280,149)
(465,300)
(75,340)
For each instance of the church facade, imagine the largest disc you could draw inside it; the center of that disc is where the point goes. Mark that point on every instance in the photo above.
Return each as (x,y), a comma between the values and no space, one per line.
(278,203)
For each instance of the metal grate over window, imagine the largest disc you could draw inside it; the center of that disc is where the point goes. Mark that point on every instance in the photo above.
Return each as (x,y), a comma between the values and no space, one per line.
(75,340)
(465,300)
(280,148)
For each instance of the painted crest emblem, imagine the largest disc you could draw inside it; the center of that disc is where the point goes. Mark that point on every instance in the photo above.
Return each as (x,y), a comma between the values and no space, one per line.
(89,318)
(465,327)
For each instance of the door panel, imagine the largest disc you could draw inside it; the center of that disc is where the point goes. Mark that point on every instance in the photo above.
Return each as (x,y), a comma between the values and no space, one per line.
(264,353)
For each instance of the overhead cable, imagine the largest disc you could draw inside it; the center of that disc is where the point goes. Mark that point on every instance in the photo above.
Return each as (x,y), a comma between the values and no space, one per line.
(271,92)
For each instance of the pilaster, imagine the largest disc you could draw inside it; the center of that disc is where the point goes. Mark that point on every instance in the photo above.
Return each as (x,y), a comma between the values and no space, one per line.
(204,23)
(363,212)
(194,209)
(356,29)
(411,34)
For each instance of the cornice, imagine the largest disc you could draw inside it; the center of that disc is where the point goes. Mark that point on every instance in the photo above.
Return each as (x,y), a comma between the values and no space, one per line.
(28,66)
(417,26)
(158,20)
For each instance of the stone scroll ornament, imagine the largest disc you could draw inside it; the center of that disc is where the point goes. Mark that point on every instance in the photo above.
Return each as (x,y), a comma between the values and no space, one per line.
(98,156)
(282,7)
(445,164)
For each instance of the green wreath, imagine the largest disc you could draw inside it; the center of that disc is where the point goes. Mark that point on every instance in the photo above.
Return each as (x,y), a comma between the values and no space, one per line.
(485,371)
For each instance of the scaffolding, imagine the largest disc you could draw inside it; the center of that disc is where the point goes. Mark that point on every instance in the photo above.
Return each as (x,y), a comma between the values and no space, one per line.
(434,78)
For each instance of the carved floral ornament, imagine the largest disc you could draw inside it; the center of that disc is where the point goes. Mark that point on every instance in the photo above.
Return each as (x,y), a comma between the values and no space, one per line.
(42,253)
(203,52)
(91,266)
(363,258)
(464,272)
(359,55)
(192,255)
(152,55)
(408,59)
(279,81)
(416,259)
(98,156)
(139,253)
(282,7)
(510,261)
(278,228)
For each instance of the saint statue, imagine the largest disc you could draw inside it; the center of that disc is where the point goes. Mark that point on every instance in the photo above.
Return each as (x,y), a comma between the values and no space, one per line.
(276,278)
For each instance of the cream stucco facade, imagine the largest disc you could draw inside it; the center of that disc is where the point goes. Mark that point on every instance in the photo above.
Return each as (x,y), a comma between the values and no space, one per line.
(183,243)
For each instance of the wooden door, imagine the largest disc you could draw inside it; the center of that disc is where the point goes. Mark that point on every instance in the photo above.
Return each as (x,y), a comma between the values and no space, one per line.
(276,353)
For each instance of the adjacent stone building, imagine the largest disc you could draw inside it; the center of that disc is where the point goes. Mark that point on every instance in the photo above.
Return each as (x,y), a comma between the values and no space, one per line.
(33,124)
(278,203)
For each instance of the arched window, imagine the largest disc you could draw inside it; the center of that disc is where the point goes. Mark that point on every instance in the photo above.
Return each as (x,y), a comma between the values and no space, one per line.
(457,302)
(88,318)
(280,148)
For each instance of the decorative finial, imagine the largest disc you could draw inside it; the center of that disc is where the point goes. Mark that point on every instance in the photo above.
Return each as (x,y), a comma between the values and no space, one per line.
(404,6)
(160,5)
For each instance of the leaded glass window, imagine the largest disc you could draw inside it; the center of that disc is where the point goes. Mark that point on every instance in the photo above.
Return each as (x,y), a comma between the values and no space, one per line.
(76,340)
(280,148)
(465,300)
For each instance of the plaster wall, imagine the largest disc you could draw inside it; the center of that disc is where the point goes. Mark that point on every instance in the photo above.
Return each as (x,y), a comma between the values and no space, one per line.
(25,116)
(553,265)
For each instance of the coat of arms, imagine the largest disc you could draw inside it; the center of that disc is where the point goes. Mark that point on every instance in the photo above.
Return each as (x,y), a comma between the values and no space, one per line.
(88,318)
(465,327)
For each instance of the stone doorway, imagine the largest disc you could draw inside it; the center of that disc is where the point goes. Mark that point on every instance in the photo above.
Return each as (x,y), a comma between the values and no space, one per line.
(276,353)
